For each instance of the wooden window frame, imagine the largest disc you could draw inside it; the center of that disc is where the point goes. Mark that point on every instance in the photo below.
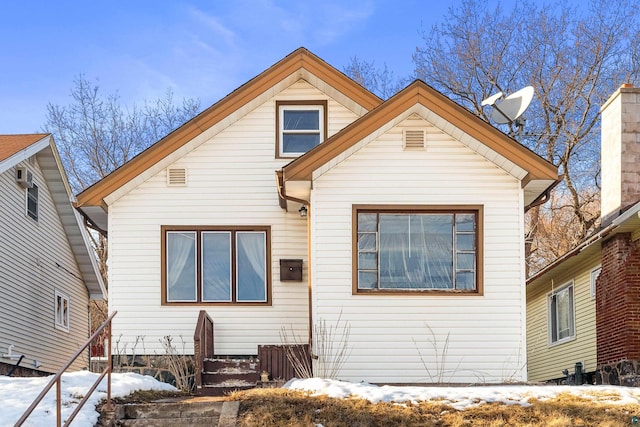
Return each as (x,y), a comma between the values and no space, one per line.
(62,320)
(478,210)
(36,200)
(312,103)
(550,308)
(199,230)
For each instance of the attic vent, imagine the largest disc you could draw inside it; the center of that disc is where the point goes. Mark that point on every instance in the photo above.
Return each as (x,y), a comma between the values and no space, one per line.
(176,176)
(414,139)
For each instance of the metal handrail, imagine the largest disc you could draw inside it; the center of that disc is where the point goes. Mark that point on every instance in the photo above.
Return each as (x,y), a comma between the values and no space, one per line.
(57,380)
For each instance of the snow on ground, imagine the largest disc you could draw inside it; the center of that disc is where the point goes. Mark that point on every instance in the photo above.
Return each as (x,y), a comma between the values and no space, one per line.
(464,397)
(16,394)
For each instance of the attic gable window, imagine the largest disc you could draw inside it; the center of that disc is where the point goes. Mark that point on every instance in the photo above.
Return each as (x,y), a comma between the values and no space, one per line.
(300,126)
(420,250)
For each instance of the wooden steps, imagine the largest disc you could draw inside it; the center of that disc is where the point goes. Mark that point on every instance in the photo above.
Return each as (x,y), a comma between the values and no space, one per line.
(222,376)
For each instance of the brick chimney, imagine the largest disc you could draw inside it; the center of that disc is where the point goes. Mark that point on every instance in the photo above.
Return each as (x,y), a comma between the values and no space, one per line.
(620,152)
(618,286)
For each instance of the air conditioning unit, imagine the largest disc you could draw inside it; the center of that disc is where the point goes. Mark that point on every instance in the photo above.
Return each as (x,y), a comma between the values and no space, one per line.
(24,178)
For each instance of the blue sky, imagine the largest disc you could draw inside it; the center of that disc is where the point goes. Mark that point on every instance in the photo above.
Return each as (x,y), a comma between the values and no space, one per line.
(199,49)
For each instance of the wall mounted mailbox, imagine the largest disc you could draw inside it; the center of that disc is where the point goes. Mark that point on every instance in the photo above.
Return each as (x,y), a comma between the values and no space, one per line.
(291,270)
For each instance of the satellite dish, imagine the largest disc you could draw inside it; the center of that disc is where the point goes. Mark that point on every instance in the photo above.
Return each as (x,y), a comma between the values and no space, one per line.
(492,99)
(512,107)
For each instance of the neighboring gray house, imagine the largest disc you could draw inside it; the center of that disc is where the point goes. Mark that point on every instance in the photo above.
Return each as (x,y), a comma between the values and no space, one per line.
(48,271)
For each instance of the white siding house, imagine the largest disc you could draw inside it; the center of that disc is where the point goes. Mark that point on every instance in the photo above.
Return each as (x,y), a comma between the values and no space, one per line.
(47,270)
(302,134)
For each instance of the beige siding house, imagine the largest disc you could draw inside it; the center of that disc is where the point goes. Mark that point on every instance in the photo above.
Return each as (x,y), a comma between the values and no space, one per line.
(48,272)
(407,216)
(585,307)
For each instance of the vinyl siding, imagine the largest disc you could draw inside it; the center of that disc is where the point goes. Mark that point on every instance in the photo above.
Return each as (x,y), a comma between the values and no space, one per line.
(35,260)
(231,181)
(547,361)
(480,338)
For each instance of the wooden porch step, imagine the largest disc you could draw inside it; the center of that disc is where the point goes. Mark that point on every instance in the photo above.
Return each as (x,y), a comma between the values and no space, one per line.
(222,376)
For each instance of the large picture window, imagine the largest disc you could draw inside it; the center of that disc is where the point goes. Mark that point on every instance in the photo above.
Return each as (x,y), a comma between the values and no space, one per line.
(420,249)
(215,265)
(300,126)
(561,320)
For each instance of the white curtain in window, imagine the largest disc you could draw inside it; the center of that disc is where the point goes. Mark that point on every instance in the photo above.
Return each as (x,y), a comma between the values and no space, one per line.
(251,266)
(564,306)
(181,270)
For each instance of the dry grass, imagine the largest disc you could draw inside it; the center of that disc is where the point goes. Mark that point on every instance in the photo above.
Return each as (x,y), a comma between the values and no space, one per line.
(286,408)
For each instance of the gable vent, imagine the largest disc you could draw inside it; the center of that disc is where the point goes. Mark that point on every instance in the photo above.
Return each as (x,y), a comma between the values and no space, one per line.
(414,139)
(176,176)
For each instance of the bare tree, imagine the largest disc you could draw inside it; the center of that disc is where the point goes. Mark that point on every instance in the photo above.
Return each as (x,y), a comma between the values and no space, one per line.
(380,81)
(95,134)
(574,57)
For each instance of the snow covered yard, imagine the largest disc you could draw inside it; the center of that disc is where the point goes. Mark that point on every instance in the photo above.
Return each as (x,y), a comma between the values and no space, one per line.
(462,398)
(16,394)
(319,402)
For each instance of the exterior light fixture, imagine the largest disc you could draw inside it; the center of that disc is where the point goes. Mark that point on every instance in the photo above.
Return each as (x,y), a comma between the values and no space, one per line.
(303,211)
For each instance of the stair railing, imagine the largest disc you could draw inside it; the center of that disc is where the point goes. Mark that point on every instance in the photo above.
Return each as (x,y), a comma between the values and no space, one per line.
(202,345)
(57,380)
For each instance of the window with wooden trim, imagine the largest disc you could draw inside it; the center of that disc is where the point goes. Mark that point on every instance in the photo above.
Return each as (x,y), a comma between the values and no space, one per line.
(61,311)
(300,126)
(561,315)
(430,249)
(216,265)
(32,202)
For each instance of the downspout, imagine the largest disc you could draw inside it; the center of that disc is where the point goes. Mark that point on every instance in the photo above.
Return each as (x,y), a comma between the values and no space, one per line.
(282,197)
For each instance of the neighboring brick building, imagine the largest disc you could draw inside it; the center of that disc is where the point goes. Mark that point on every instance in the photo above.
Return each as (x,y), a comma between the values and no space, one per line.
(585,307)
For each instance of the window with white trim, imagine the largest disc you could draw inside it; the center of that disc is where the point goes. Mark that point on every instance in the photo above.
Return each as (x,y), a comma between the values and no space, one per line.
(417,250)
(61,311)
(595,273)
(216,265)
(561,314)
(32,202)
(300,126)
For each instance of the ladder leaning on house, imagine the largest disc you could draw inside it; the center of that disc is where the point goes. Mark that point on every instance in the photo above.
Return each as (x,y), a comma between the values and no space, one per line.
(57,380)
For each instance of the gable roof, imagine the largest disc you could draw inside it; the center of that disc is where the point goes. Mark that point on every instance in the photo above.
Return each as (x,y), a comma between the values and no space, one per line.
(301,58)
(17,148)
(537,173)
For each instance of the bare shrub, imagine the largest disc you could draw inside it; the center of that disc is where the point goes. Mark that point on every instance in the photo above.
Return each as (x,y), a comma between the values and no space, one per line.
(179,364)
(292,344)
(330,349)
(440,350)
